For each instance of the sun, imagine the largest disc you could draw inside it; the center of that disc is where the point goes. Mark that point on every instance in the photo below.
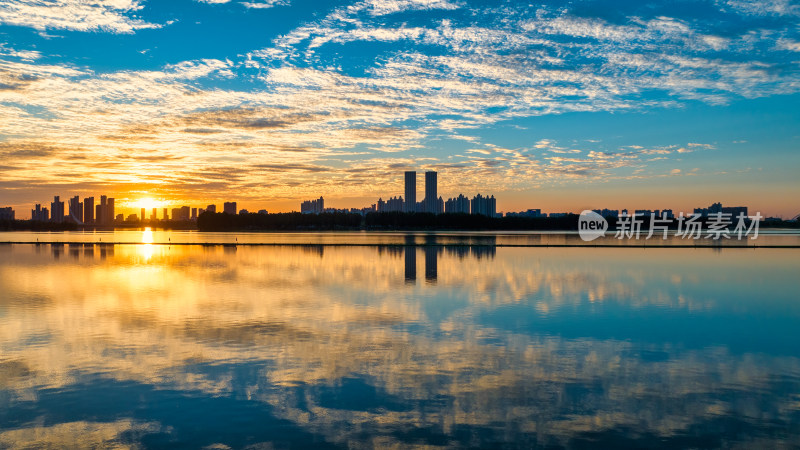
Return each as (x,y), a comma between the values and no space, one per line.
(148,203)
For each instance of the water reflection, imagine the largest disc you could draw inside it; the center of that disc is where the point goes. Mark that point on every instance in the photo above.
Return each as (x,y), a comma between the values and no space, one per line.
(767,237)
(237,345)
(411,264)
(431,264)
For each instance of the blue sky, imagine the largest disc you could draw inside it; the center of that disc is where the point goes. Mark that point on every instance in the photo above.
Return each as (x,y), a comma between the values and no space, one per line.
(552,105)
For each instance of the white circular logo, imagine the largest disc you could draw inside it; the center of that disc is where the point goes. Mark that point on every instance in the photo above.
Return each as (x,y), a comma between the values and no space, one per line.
(591,225)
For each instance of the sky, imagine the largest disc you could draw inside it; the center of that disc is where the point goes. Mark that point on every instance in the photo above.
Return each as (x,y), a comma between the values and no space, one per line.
(555,105)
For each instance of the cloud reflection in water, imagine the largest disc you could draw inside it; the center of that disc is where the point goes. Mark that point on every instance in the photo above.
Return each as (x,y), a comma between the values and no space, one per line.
(351,345)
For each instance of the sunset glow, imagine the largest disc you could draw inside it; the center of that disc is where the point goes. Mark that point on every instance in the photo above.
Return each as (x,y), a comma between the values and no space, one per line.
(148,204)
(627,105)
(399,224)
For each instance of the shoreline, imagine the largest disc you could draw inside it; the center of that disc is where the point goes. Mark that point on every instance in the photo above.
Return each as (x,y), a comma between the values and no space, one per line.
(280,244)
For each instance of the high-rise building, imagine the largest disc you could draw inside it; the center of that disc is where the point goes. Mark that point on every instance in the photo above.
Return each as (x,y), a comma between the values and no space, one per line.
(40,214)
(486,206)
(143,215)
(105,213)
(88,210)
(57,210)
(76,209)
(411,191)
(530,213)
(605,212)
(431,197)
(717,208)
(229,208)
(102,211)
(154,215)
(194,213)
(166,215)
(185,211)
(181,213)
(394,204)
(313,206)
(110,211)
(459,204)
(7,213)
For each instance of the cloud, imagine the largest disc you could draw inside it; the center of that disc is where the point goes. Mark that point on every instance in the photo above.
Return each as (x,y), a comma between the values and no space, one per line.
(761,7)
(317,96)
(25,55)
(114,16)
(252,5)
(384,7)
(264,4)
(787,44)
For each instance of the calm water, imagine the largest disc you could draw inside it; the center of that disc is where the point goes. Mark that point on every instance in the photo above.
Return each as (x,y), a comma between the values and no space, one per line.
(766,237)
(375,346)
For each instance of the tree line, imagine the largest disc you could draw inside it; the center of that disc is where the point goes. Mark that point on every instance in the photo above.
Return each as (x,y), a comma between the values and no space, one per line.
(378,221)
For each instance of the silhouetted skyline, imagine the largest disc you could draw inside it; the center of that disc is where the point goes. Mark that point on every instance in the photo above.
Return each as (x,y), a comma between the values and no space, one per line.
(551,105)
(82,212)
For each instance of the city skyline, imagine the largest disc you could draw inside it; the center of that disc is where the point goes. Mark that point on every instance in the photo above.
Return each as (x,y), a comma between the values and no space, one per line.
(552,106)
(399,224)
(82,213)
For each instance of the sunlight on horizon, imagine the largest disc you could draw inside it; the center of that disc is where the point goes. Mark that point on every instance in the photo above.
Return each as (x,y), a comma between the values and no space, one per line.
(146,251)
(148,203)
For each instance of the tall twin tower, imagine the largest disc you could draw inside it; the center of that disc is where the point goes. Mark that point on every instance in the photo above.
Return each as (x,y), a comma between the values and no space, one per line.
(431,203)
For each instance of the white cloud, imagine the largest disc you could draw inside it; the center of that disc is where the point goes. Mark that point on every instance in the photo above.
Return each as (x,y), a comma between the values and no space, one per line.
(113,16)
(383,7)
(265,4)
(698,146)
(788,44)
(26,55)
(761,7)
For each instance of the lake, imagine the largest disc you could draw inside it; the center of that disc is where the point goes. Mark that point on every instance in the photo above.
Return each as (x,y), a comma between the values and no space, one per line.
(406,340)
(766,238)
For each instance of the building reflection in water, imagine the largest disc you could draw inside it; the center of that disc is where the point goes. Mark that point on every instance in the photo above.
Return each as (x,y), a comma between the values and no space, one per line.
(517,346)
(433,249)
(431,259)
(411,264)
(318,250)
(106,251)
(57,249)
(410,259)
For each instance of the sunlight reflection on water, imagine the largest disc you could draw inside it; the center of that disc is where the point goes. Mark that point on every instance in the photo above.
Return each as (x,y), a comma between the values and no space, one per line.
(397,345)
